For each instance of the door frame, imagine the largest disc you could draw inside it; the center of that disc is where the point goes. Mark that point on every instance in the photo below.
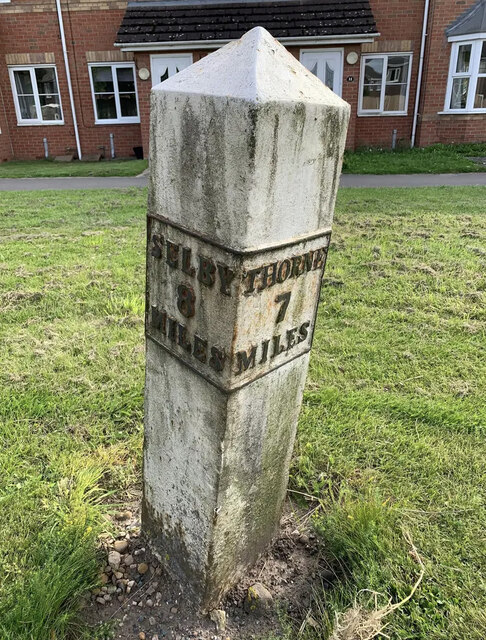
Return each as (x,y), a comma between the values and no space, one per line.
(339,50)
(158,56)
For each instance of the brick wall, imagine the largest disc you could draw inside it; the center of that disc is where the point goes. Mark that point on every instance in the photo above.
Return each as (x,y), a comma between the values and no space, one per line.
(434,126)
(30,30)
(400,26)
(5,144)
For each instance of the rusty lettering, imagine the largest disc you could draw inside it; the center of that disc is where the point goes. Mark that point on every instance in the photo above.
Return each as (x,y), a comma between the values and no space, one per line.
(284,298)
(284,270)
(291,338)
(226,277)
(172,254)
(251,275)
(200,349)
(186,262)
(183,340)
(245,360)
(264,357)
(186,300)
(158,241)
(207,270)
(217,359)
(303,332)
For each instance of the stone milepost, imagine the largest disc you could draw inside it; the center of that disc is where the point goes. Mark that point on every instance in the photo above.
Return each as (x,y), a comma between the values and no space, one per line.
(232,317)
(246,149)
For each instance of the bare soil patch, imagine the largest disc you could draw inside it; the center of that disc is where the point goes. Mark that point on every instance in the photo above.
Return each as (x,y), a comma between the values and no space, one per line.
(141,598)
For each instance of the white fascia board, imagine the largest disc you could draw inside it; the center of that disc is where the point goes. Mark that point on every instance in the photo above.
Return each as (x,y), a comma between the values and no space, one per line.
(468,37)
(216,44)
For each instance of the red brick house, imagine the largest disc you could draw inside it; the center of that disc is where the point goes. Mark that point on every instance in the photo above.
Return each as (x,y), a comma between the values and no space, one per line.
(75,75)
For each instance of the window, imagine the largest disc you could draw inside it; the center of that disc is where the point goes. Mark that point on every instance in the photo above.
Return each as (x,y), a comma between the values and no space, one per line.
(385,84)
(327,65)
(114,93)
(36,95)
(466,89)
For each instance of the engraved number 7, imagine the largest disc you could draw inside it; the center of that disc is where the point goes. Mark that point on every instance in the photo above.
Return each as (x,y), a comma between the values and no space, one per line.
(284,298)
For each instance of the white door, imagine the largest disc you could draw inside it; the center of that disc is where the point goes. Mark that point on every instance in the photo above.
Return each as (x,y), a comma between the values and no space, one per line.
(164,66)
(327,65)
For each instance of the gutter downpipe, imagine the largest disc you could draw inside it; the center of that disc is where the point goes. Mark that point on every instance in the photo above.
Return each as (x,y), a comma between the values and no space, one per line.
(68,75)
(420,73)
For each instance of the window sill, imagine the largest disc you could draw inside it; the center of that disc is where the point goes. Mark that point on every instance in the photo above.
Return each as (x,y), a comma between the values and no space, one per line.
(47,123)
(462,112)
(112,122)
(381,114)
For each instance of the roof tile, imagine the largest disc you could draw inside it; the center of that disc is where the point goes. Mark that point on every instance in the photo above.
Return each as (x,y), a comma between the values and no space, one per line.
(168,22)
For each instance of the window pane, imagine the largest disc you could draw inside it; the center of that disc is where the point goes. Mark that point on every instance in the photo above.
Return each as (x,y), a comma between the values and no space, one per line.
(125,79)
(397,70)
(373,70)
(459,93)
(27,108)
(128,104)
(106,106)
(46,80)
(22,82)
(371,97)
(395,97)
(463,58)
(329,82)
(482,62)
(50,107)
(480,97)
(102,79)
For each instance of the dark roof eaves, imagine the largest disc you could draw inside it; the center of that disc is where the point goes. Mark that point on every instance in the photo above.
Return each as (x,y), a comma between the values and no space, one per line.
(140,4)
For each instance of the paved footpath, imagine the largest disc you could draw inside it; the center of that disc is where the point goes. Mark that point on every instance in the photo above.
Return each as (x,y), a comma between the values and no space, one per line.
(347,180)
(416,180)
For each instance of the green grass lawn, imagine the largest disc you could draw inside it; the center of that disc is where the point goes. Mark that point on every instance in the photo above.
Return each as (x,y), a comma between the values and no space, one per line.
(391,442)
(438,158)
(51,169)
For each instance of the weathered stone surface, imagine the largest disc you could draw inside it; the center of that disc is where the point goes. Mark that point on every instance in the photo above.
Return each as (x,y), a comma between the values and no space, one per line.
(114,559)
(218,616)
(255,308)
(246,147)
(120,545)
(258,600)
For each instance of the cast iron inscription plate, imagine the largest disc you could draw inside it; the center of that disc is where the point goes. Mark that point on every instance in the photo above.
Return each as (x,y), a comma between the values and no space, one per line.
(231,316)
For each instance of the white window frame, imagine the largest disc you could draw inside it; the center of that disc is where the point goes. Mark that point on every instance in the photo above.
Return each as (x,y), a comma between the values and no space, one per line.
(120,119)
(476,41)
(381,111)
(38,121)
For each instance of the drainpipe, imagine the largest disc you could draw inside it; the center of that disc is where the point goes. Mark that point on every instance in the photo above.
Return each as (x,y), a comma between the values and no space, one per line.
(7,127)
(420,73)
(68,75)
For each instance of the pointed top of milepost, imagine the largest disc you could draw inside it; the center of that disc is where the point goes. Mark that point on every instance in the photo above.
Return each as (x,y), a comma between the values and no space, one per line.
(256,68)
